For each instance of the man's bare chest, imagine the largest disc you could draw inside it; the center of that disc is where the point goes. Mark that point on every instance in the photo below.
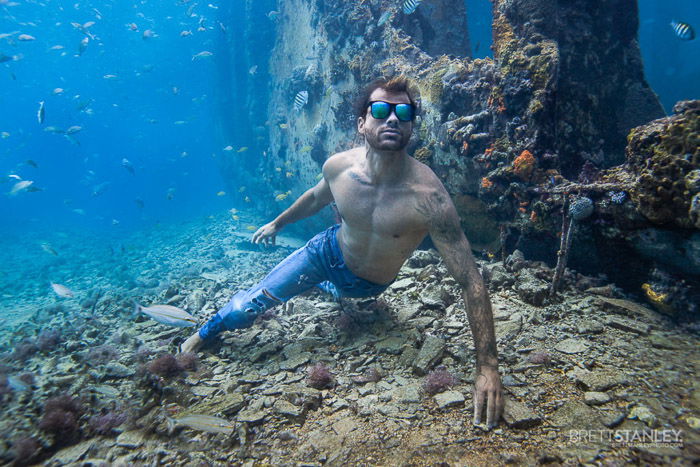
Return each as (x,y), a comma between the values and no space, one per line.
(384,211)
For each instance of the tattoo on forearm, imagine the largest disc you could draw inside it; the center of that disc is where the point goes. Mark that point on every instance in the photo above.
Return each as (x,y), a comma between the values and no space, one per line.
(444,226)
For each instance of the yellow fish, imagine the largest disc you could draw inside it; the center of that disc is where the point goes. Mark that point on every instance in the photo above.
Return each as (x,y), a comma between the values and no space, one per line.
(235,218)
(284,126)
(289,174)
(243,149)
(221,193)
(283,196)
(252,228)
(306,148)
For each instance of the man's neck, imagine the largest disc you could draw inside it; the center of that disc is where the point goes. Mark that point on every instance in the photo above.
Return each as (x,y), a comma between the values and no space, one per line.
(384,166)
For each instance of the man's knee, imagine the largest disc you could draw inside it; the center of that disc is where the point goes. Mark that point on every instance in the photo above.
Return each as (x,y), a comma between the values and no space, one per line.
(246,306)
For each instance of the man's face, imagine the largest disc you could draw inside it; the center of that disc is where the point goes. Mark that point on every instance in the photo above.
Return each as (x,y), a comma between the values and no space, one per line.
(390,133)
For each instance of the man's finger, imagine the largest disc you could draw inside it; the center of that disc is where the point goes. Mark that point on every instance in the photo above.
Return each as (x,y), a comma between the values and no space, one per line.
(490,408)
(478,405)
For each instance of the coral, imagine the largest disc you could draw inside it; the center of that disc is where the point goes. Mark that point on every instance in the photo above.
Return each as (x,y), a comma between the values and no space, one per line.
(102,354)
(524,165)
(423,154)
(63,425)
(166,366)
(346,324)
(64,402)
(581,208)
(438,380)
(48,340)
(589,173)
(24,350)
(319,376)
(105,423)
(25,450)
(188,361)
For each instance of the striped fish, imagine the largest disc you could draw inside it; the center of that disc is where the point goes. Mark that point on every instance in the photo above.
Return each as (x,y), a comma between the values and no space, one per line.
(167,314)
(683,30)
(62,291)
(409,6)
(300,100)
(201,423)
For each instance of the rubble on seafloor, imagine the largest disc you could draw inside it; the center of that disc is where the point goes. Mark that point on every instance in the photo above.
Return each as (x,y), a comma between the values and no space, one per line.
(587,361)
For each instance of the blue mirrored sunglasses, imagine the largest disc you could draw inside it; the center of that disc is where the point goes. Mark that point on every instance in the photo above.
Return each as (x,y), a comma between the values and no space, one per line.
(381,110)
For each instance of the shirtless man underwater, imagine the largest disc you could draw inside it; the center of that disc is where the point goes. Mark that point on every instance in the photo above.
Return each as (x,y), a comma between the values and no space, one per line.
(388,202)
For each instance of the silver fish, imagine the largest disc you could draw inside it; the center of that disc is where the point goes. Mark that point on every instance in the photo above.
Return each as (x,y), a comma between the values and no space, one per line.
(201,423)
(20,186)
(40,113)
(83,45)
(167,314)
(409,6)
(202,54)
(73,129)
(385,17)
(62,290)
(300,100)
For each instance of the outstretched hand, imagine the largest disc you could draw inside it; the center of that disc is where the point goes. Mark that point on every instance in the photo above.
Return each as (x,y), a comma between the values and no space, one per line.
(489,392)
(266,234)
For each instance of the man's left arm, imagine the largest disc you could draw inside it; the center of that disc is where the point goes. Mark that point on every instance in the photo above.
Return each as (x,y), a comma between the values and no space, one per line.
(448,237)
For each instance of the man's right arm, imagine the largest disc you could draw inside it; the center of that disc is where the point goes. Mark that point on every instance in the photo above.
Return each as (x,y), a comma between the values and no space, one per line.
(306,205)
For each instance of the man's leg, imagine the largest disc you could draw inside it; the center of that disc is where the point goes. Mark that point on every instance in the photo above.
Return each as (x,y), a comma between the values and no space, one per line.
(294,275)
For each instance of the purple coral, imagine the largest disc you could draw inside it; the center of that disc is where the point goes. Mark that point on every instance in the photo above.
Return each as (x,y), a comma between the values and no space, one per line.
(188,361)
(24,350)
(319,376)
(166,366)
(102,354)
(105,423)
(61,415)
(438,380)
(48,340)
(26,450)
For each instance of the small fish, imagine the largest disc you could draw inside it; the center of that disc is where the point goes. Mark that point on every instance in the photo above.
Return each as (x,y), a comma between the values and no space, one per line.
(54,129)
(115,222)
(4,135)
(25,38)
(185,33)
(284,126)
(62,291)
(682,30)
(167,314)
(57,91)
(133,26)
(247,199)
(110,76)
(300,100)
(243,149)
(273,15)
(241,189)
(228,148)
(83,45)
(128,166)
(49,249)
(79,211)
(32,163)
(252,70)
(233,211)
(56,47)
(384,18)
(409,6)
(20,186)
(41,113)
(9,58)
(283,196)
(73,129)
(251,228)
(306,148)
(201,423)
(202,54)
(221,193)
(148,34)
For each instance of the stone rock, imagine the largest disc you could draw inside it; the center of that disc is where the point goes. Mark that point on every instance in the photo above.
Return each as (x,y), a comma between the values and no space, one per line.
(575,415)
(117,370)
(251,416)
(433,296)
(660,341)
(204,391)
(265,351)
(286,408)
(401,284)
(643,414)
(73,454)
(131,439)
(508,330)
(518,415)
(429,353)
(590,327)
(406,394)
(627,325)
(407,311)
(449,399)
(596,398)
(572,346)
(600,380)
(294,361)
(390,345)
(531,289)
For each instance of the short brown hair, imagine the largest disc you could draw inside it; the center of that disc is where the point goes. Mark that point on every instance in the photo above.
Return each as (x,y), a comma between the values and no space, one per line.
(396,84)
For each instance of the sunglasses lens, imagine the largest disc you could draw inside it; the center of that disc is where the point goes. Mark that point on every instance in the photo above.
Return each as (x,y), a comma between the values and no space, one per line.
(380,110)
(404,112)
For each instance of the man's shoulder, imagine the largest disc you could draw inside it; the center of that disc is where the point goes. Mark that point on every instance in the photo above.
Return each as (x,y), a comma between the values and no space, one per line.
(424,177)
(340,161)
